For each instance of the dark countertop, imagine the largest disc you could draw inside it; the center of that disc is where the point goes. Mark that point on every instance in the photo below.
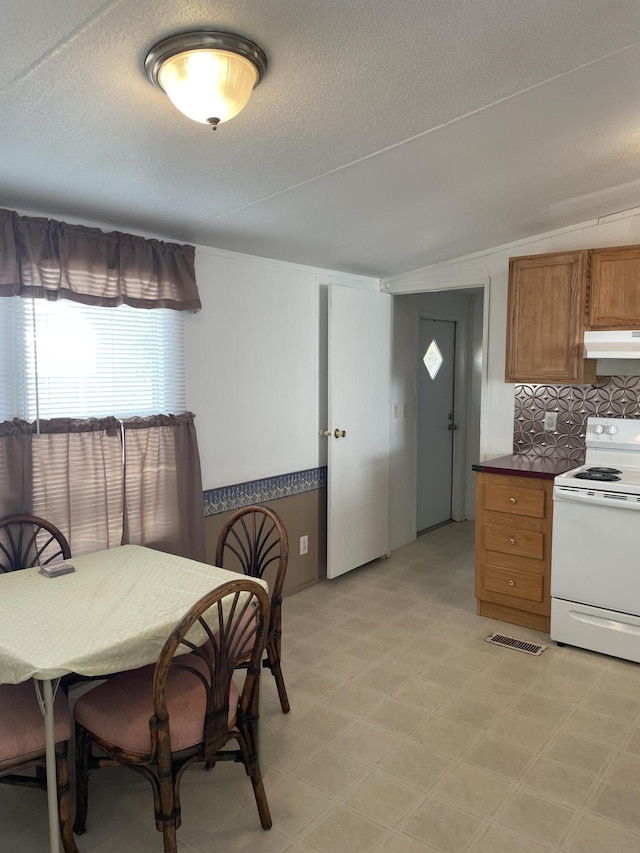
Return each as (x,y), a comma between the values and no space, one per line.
(519,465)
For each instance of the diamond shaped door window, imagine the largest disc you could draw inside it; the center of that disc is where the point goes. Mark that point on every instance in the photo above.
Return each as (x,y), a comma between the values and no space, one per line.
(433,359)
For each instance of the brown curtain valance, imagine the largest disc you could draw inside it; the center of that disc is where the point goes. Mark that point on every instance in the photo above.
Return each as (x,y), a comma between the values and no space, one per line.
(54,260)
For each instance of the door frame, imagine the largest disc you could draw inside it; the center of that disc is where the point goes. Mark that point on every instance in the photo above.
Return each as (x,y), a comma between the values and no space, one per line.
(441,280)
(461,390)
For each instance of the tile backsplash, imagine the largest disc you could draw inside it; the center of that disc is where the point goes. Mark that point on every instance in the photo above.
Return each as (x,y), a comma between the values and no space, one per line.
(610,396)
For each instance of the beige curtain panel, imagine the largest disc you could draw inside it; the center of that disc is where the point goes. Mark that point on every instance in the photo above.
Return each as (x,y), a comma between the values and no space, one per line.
(54,260)
(163,485)
(75,474)
(16,480)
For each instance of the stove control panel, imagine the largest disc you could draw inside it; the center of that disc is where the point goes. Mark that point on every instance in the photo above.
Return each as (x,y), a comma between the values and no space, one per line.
(601,428)
(610,429)
(615,434)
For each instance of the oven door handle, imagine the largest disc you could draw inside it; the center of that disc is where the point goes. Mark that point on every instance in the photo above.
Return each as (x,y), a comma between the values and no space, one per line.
(616,501)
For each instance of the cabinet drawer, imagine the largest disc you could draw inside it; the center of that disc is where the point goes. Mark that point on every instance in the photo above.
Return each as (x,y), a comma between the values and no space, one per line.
(524,543)
(514,500)
(518,584)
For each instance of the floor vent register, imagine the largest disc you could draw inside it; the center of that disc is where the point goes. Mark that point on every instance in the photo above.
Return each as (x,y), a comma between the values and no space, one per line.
(513,643)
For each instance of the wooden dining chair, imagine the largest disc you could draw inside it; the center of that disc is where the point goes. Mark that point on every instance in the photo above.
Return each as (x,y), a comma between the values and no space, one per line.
(27,541)
(254,541)
(22,748)
(161,719)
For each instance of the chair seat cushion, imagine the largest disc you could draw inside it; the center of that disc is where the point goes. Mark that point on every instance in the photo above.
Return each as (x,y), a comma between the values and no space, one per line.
(22,723)
(118,711)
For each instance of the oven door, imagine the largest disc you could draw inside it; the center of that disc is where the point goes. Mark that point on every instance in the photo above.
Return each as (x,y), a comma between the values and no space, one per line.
(594,553)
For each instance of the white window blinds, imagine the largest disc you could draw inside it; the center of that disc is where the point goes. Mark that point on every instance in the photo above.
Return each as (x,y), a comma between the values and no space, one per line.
(65,359)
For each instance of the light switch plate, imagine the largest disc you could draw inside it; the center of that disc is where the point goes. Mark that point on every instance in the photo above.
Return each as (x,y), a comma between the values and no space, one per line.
(550,421)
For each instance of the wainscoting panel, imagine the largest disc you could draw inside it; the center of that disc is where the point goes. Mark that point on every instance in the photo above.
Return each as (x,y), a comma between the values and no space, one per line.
(303,513)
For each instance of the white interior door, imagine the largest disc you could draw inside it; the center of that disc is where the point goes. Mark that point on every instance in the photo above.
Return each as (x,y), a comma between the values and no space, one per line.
(359,395)
(435,425)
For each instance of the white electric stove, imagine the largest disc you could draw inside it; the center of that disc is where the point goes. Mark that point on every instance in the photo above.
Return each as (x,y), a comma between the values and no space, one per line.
(595,554)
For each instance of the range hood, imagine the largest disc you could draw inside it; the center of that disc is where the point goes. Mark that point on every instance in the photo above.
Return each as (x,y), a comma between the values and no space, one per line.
(612,344)
(617,352)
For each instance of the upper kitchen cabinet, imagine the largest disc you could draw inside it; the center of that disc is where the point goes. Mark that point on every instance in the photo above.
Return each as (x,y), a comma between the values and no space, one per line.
(614,293)
(546,314)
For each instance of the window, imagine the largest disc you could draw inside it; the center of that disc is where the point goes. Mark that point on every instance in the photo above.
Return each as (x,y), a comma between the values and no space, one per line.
(71,368)
(65,359)
(433,359)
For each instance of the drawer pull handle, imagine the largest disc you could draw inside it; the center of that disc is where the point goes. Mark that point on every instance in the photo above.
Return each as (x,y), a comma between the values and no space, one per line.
(512,500)
(512,583)
(512,541)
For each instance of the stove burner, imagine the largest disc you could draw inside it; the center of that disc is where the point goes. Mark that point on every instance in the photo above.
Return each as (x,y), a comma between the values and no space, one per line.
(595,474)
(599,470)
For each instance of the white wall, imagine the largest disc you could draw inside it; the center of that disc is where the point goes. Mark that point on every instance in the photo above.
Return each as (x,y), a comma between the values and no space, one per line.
(255,354)
(491,268)
(255,361)
(256,372)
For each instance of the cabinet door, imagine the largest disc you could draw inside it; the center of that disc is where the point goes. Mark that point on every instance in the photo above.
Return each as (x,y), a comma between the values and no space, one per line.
(545,318)
(614,297)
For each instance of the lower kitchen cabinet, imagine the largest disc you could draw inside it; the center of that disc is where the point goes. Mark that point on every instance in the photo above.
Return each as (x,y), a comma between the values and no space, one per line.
(513,548)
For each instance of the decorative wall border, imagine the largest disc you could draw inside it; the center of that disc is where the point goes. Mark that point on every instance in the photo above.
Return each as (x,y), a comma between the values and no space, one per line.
(259,491)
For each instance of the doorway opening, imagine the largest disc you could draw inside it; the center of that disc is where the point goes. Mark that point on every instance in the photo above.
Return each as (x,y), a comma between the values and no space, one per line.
(420,472)
(435,425)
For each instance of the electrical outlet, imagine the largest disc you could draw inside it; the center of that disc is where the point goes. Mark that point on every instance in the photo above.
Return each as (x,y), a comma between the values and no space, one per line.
(550,421)
(304,545)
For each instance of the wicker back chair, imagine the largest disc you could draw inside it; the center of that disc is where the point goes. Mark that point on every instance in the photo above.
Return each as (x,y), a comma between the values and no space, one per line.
(254,541)
(26,541)
(23,752)
(161,719)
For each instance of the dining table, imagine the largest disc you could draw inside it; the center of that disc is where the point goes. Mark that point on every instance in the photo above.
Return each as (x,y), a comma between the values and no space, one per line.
(112,613)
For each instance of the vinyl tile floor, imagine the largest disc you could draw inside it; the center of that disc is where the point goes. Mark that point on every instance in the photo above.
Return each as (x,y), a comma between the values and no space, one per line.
(408,732)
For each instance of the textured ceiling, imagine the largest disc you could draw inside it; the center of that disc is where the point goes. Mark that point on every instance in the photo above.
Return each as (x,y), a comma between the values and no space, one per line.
(386,134)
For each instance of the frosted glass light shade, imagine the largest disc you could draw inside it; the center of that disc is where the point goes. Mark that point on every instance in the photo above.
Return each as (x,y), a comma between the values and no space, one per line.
(208,84)
(208,75)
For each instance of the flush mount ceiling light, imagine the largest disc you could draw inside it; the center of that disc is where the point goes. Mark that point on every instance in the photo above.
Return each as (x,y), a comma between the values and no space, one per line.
(207,74)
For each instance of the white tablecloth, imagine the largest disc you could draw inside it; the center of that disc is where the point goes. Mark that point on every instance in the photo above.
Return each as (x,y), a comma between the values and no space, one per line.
(113,613)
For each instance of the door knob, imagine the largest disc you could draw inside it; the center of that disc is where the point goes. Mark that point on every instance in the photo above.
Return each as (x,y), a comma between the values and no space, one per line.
(325,432)
(339,433)
(452,427)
